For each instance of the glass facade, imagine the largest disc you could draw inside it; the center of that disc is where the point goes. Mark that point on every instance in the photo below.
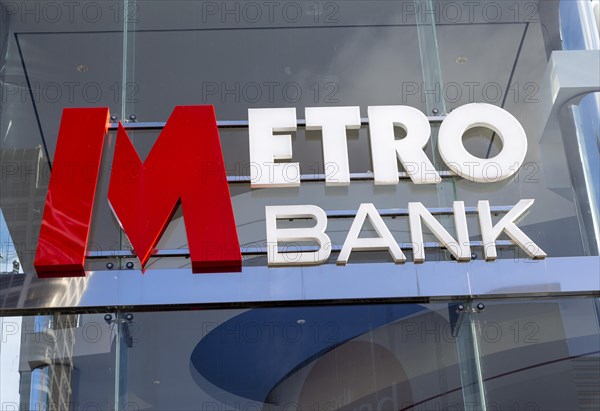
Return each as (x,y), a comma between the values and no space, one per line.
(527,354)
(514,334)
(141,59)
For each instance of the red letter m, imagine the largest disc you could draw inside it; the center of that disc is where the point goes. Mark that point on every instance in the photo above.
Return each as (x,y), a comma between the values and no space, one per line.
(185,167)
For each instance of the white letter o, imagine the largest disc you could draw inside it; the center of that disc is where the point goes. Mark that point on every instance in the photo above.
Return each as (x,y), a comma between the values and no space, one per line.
(459,160)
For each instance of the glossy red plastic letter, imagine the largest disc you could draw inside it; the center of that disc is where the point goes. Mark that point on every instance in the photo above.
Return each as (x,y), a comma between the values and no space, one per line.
(66,221)
(185,165)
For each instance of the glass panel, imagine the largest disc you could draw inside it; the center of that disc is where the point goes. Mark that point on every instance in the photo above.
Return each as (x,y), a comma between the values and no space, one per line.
(10,341)
(378,357)
(141,59)
(528,354)
(53,55)
(57,362)
(430,59)
(467,345)
(507,71)
(9,257)
(236,55)
(541,355)
(579,29)
(586,118)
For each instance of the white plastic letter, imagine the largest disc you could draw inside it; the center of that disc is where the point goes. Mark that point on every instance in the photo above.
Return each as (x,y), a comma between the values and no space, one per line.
(315,233)
(265,148)
(482,170)
(334,121)
(460,249)
(385,148)
(489,232)
(385,241)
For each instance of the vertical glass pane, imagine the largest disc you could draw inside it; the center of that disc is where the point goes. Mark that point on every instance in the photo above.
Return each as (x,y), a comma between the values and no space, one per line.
(379,357)
(507,70)
(532,354)
(9,257)
(587,122)
(10,340)
(57,362)
(53,55)
(236,55)
(542,354)
(141,59)
(467,345)
(430,59)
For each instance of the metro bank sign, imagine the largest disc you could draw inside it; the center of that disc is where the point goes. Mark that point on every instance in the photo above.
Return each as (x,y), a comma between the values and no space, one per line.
(186,167)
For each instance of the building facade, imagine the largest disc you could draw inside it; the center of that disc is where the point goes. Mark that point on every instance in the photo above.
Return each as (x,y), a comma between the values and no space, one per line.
(375,304)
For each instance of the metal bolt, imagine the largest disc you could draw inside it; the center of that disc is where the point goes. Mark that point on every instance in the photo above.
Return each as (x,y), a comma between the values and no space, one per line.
(129,265)
(460,307)
(480,306)
(110,266)
(435,111)
(107,318)
(132,117)
(129,317)
(473,256)
(114,118)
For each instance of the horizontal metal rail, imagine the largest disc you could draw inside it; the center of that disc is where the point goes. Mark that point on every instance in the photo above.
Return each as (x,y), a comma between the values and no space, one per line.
(368,176)
(159,125)
(250,250)
(403,212)
(314,178)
